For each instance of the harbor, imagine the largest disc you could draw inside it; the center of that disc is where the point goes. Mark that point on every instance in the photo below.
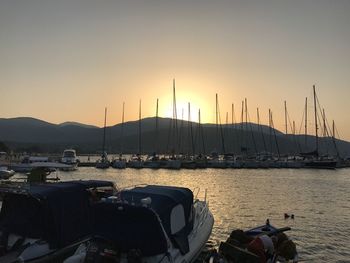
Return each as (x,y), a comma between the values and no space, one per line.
(174,131)
(318,199)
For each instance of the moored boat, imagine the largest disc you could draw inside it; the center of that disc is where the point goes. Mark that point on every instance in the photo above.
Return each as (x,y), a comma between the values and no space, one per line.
(148,224)
(45,222)
(69,157)
(119,163)
(264,243)
(5,173)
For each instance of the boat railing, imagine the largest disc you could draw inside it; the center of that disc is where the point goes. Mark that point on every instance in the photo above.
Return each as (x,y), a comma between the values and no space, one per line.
(196,191)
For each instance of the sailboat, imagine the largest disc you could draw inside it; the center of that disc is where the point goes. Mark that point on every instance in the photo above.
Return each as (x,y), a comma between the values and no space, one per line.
(172,162)
(188,161)
(215,160)
(136,160)
(103,163)
(120,162)
(152,160)
(318,161)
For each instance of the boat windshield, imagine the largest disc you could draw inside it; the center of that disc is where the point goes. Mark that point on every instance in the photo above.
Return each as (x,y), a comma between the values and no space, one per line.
(121,223)
(69,154)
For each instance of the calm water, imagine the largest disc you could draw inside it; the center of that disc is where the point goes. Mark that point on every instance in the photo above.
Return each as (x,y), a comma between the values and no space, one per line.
(319,199)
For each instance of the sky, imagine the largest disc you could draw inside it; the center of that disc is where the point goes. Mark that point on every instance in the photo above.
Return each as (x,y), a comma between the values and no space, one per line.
(67,60)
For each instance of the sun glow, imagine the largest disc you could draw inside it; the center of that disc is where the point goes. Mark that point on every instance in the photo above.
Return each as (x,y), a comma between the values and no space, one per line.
(185,110)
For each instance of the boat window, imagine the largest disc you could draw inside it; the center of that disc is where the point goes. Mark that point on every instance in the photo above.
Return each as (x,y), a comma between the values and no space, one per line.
(177,219)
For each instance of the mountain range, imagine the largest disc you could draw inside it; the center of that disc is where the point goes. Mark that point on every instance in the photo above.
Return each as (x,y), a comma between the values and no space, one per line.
(33,135)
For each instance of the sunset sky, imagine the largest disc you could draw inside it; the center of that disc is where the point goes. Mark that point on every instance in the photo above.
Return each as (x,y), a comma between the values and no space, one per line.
(67,60)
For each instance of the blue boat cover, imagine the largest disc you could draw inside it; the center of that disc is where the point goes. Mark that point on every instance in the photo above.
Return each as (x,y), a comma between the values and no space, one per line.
(60,213)
(130,227)
(164,199)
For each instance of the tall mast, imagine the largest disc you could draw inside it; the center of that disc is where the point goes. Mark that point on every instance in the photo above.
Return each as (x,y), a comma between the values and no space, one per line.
(190,127)
(306,122)
(201,130)
(285,116)
(221,132)
(293,127)
(232,126)
(122,131)
(233,114)
(270,130)
(174,128)
(140,128)
(104,134)
(216,116)
(260,128)
(274,132)
(246,113)
(246,124)
(324,123)
(333,129)
(316,125)
(156,139)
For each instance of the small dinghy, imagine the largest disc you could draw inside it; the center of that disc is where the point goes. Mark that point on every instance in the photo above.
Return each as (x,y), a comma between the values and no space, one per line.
(261,244)
(148,224)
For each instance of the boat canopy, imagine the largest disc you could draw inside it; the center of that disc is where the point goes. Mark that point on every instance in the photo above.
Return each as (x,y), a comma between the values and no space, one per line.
(174,205)
(130,227)
(59,213)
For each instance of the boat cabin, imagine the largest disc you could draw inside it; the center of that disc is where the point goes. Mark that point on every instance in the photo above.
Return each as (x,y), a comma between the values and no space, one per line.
(57,213)
(155,214)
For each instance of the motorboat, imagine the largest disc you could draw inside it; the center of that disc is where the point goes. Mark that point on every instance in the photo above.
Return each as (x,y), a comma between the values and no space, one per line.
(148,224)
(46,222)
(69,157)
(241,246)
(25,165)
(5,173)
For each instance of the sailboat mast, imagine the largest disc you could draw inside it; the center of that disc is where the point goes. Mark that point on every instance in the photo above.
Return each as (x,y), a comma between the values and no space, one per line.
(294,128)
(104,134)
(156,139)
(316,125)
(275,136)
(324,123)
(122,131)
(201,133)
(140,128)
(306,122)
(190,127)
(175,138)
(270,130)
(233,114)
(260,128)
(216,115)
(285,116)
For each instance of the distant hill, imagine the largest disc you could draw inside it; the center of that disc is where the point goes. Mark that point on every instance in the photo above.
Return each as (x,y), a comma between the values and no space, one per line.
(72,123)
(29,134)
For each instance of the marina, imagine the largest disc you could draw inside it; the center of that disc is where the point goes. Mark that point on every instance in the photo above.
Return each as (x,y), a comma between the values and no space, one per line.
(174,131)
(318,199)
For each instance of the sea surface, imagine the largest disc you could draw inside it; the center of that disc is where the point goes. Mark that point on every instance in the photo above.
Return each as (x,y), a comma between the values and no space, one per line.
(243,198)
